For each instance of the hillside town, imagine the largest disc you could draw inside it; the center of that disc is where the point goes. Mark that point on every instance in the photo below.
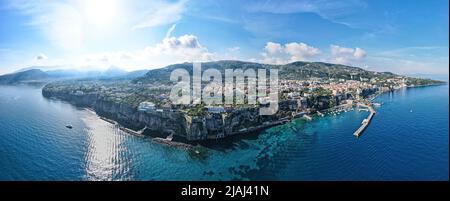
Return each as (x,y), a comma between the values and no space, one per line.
(304,90)
(309,95)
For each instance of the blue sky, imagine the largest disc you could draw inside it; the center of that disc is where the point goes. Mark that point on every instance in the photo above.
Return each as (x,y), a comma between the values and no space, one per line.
(400,36)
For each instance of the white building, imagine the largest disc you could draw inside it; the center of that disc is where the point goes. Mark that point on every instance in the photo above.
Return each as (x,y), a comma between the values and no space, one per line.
(79,93)
(146,106)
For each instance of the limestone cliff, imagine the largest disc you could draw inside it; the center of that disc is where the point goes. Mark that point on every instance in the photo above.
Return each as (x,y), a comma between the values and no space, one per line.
(209,126)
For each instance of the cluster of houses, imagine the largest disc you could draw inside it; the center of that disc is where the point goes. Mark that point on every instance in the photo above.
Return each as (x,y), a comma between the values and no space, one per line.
(343,91)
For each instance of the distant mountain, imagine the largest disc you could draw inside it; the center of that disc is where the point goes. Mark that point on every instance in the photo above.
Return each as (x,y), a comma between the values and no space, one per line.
(127,76)
(77,74)
(42,68)
(442,77)
(37,74)
(292,71)
(66,73)
(26,76)
(113,71)
(136,73)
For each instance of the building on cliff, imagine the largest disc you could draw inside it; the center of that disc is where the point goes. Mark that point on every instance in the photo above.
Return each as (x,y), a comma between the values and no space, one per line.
(146,106)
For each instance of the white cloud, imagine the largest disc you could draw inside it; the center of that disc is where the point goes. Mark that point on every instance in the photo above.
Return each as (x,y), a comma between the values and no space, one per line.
(77,25)
(170,50)
(52,19)
(171,29)
(234,49)
(162,15)
(300,51)
(337,50)
(184,47)
(232,53)
(273,48)
(437,66)
(276,53)
(359,53)
(415,59)
(334,11)
(346,56)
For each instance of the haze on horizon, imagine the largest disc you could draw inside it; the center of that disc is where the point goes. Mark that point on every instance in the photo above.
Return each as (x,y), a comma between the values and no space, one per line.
(381,35)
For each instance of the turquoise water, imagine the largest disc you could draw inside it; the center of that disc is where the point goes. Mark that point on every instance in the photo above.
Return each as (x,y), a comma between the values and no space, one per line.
(407,140)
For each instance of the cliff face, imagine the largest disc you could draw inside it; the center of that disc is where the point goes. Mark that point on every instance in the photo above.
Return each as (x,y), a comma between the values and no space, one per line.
(210,126)
(215,126)
(162,122)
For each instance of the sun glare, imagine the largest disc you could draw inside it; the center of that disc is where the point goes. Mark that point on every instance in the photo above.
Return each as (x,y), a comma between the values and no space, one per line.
(100,13)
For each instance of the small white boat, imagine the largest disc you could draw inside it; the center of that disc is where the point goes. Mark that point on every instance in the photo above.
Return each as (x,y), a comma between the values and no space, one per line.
(69,126)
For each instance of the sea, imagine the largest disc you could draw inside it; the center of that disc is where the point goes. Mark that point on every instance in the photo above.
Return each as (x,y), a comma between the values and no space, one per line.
(408,139)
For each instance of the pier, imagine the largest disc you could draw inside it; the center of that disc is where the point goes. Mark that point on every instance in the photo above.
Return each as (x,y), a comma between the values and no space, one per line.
(138,133)
(168,141)
(365,122)
(132,132)
(108,120)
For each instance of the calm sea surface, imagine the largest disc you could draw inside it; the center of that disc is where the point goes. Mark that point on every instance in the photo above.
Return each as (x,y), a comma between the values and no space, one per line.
(408,139)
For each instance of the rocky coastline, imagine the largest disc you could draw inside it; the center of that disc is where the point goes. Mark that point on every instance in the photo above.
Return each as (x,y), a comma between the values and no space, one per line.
(167,122)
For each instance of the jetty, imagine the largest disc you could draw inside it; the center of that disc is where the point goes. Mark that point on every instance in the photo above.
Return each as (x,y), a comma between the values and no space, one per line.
(132,132)
(108,120)
(138,133)
(366,121)
(168,141)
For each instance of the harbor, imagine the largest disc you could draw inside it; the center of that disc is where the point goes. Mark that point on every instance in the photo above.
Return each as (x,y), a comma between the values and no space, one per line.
(366,121)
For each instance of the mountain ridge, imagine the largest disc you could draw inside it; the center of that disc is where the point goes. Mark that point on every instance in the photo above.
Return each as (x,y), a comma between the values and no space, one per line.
(295,70)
